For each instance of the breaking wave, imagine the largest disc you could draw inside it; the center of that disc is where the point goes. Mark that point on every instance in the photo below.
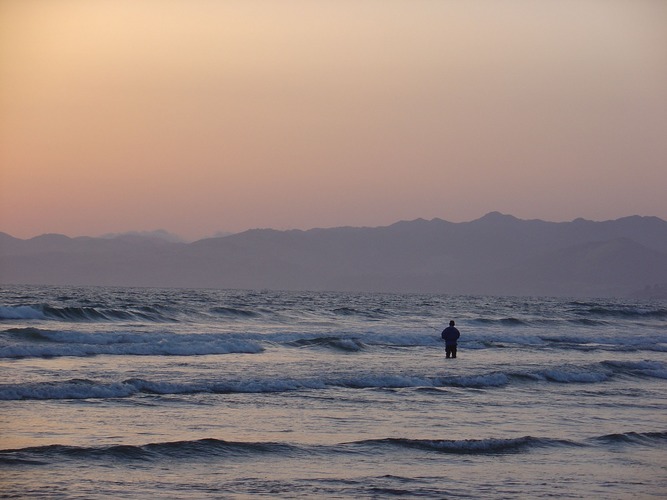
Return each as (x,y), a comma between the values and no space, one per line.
(86,314)
(34,342)
(31,341)
(93,389)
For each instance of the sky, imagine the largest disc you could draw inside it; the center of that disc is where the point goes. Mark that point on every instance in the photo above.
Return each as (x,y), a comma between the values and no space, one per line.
(201,116)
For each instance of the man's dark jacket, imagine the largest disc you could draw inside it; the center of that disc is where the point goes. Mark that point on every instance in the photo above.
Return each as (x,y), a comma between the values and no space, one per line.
(450,335)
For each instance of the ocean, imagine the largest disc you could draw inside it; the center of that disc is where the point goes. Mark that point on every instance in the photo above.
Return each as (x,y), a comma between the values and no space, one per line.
(181,394)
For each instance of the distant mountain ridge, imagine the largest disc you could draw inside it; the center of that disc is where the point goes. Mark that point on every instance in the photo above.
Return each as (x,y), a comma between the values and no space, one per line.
(496,254)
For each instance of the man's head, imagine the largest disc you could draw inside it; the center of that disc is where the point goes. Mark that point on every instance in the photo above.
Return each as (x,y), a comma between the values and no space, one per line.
(451,323)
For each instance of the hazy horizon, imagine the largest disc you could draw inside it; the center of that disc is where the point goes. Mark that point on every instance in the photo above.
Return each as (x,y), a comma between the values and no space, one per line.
(167,234)
(199,117)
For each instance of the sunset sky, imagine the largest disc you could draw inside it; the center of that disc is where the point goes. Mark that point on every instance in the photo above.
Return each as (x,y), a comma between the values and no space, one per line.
(199,116)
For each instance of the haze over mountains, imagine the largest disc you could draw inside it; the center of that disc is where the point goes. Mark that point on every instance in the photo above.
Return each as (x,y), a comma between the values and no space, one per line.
(496,255)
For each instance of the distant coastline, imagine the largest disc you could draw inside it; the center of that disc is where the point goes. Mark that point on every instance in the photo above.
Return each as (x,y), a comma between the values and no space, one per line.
(495,255)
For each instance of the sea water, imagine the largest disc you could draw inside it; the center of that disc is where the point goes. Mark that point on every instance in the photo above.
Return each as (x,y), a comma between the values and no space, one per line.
(166,393)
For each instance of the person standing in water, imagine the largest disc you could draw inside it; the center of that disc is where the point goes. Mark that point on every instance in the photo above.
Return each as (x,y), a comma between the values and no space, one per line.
(450,335)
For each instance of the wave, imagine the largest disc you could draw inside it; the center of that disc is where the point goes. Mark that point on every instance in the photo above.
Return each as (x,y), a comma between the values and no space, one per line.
(35,342)
(621,311)
(376,313)
(157,313)
(206,448)
(203,448)
(40,342)
(510,322)
(140,313)
(588,322)
(234,312)
(92,389)
(217,448)
(27,334)
(343,344)
(151,314)
(643,369)
(639,342)
(597,372)
(469,446)
(501,321)
(581,314)
(21,312)
(642,438)
(629,312)
(88,389)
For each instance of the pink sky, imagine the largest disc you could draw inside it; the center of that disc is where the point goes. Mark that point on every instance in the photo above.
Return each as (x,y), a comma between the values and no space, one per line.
(198,116)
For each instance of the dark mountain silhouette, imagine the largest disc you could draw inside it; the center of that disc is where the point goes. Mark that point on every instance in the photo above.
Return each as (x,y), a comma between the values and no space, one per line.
(497,254)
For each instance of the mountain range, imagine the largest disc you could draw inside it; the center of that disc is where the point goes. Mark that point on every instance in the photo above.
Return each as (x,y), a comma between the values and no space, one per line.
(494,255)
